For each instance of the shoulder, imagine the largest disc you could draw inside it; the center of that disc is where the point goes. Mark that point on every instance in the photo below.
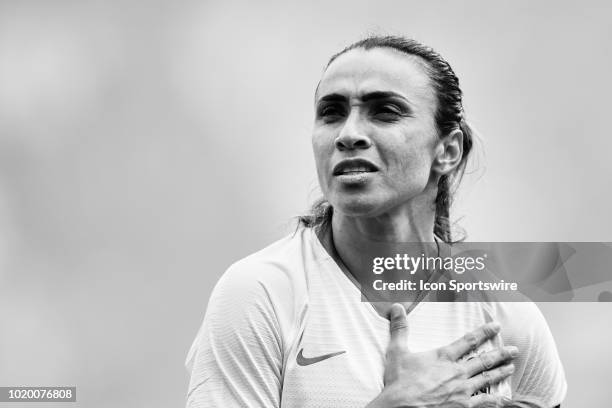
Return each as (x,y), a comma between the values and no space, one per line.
(258,297)
(269,286)
(278,268)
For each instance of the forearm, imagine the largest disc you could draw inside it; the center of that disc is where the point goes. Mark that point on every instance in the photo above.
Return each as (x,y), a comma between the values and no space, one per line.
(384,400)
(525,404)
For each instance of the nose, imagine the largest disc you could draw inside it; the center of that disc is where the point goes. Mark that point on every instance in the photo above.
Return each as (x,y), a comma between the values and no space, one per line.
(352,135)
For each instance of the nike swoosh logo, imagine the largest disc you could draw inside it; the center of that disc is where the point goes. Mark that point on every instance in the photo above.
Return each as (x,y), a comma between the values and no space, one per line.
(304,361)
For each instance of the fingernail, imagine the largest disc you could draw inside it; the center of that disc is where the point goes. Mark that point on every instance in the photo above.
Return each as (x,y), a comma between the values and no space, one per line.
(396,311)
(495,326)
(513,351)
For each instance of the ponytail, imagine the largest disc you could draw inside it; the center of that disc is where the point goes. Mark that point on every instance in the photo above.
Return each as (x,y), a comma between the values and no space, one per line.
(447,186)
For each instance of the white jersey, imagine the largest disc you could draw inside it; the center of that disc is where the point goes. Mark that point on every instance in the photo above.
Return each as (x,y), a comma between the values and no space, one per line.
(285,327)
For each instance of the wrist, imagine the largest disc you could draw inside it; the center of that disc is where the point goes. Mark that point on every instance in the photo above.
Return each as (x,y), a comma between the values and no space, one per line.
(386,399)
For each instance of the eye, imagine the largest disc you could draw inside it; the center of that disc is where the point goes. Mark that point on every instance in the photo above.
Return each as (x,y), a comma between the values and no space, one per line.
(330,112)
(388,112)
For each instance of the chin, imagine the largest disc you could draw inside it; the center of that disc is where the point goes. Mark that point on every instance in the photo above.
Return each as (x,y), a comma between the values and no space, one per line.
(358,205)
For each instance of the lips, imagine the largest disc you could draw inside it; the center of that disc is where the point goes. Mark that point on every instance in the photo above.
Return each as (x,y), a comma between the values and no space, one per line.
(354,166)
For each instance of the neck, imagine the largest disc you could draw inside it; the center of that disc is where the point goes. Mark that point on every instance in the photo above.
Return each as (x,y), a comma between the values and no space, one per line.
(401,225)
(358,240)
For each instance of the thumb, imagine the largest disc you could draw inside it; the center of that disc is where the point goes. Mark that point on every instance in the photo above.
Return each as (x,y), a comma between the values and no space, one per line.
(398,326)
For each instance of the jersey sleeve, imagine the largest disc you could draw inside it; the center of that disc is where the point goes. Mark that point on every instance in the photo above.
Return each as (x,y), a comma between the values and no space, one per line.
(539,379)
(236,359)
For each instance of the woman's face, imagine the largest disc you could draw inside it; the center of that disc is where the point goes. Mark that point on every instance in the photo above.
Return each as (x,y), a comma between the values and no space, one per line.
(375,135)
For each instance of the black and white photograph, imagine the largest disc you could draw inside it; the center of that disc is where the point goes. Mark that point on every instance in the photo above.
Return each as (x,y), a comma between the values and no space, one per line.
(348,204)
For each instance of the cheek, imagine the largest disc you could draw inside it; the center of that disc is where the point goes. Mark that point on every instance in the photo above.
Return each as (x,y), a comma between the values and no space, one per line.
(411,159)
(417,164)
(322,151)
(410,168)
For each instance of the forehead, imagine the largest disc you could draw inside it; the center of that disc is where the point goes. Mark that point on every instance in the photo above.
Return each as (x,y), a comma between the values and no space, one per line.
(360,71)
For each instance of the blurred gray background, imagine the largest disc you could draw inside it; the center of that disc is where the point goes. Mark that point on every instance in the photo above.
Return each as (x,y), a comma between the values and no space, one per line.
(145,146)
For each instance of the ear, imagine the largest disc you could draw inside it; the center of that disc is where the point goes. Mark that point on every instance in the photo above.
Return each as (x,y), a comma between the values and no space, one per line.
(449,152)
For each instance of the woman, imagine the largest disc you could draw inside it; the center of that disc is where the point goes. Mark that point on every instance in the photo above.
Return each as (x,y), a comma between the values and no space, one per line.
(286,326)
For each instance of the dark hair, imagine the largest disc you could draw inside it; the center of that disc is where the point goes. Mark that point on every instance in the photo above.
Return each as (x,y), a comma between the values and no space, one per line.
(449,116)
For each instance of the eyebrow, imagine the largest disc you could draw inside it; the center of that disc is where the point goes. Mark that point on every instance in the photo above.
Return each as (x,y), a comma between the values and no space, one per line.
(371,96)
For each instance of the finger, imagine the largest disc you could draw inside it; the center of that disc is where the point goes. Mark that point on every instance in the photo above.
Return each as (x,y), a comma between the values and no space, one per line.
(489,401)
(487,378)
(471,340)
(398,326)
(488,360)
